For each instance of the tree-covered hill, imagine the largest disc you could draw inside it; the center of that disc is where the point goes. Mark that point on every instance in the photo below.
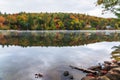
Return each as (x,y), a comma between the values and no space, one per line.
(56,21)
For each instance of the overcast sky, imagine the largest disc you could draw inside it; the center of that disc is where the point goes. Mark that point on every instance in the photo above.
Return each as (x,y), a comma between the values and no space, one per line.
(74,6)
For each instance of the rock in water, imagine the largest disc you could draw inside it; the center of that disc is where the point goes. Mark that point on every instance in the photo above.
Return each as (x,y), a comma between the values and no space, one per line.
(71,77)
(66,73)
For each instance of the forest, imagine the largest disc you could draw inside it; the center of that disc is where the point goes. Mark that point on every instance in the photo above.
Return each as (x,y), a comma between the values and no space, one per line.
(56,21)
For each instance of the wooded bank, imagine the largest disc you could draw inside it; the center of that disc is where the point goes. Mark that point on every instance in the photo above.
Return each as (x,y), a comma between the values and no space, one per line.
(56,21)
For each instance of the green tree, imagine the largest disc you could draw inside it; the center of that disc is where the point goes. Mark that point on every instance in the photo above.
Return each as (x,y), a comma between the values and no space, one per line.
(115,54)
(22,21)
(40,24)
(30,22)
(110,5)
(118,13)
(51,23)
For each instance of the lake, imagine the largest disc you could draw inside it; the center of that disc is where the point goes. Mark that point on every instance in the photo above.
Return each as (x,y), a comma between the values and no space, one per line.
(25,53)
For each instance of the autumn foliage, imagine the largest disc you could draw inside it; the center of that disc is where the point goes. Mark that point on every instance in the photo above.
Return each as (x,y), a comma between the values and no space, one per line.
(2,20)
(56,21)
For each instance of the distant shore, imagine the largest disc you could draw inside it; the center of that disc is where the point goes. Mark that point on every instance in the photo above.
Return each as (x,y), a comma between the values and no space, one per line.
(61,31)
(56,21)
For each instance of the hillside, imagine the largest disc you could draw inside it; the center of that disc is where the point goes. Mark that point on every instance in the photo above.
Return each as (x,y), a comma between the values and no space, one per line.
(55,21)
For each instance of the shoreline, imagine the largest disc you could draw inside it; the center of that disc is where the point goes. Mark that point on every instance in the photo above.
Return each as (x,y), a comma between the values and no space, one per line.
(60,31)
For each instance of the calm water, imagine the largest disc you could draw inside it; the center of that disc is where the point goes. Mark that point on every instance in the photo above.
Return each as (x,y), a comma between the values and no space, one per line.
(23,54)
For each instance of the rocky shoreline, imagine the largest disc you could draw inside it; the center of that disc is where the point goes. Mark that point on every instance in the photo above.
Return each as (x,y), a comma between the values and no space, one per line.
(110,70)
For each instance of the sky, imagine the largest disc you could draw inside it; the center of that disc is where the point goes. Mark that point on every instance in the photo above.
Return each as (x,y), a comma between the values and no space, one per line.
(70,6)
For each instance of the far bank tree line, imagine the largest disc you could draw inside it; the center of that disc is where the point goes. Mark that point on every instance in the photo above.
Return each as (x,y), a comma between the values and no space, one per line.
(55,21)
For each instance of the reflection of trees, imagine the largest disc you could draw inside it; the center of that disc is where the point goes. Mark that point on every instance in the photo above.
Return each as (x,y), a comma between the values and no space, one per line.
(25,39)
(116,53)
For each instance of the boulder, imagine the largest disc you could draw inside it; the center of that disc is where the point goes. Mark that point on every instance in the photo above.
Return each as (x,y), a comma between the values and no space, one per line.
(114,74)
(88,78)
(103,78)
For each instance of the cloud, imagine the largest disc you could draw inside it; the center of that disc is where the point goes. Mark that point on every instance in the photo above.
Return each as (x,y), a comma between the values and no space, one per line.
(75,6)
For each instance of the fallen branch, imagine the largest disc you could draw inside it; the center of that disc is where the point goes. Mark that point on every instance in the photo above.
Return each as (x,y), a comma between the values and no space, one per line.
(85,70)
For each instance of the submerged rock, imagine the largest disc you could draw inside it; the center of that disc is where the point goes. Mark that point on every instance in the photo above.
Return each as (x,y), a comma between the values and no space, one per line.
(66,73)
(39,75)
(68,76)
(71,77)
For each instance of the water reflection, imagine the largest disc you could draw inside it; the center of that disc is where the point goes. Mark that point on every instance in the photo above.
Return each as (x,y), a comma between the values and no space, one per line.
(38,52)
(54,38)
(17,63)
